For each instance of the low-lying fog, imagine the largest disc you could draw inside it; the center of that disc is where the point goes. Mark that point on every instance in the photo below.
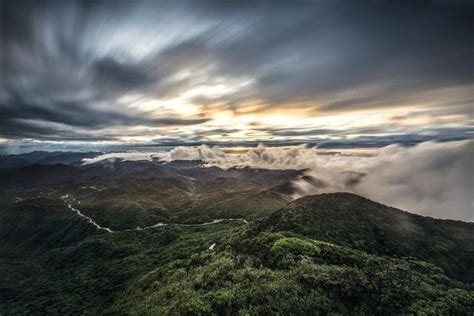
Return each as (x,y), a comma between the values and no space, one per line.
(434,179)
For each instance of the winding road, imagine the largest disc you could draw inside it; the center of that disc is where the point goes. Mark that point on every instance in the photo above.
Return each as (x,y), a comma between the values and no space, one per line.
(91,221)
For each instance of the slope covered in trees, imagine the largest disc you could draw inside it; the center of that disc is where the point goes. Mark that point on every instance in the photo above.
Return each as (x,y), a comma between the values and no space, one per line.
(318,255)
(356,222)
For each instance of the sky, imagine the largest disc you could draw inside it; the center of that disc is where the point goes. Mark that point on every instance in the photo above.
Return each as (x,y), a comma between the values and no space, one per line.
(119,74)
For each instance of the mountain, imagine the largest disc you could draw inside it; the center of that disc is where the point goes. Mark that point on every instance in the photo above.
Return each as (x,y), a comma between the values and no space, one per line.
(44,158)
(37,225)
(356,222)
(126,194)
(181,239)
(32,176)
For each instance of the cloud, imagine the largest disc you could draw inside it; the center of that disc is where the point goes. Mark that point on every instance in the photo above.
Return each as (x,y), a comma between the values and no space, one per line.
(72,62)
(434,179)
(120,75)
(304,132)
(126,156)
(52,119)
(431,178)
(202,152)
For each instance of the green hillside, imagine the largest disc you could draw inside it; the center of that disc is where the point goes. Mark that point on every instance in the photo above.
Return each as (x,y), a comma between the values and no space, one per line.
(319,255)
(356,222)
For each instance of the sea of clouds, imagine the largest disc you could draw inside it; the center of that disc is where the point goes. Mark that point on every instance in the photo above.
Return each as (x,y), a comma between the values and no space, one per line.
(434,179)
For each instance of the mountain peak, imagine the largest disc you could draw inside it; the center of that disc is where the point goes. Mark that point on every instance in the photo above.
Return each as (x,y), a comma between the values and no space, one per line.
(354,221)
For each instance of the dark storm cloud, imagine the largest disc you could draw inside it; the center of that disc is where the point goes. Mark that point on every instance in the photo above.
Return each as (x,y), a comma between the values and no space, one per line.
(68,62)
(308,50)
(125,76)
(73,114)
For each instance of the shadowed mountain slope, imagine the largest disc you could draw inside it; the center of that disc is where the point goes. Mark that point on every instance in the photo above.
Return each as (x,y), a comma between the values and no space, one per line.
(356,222)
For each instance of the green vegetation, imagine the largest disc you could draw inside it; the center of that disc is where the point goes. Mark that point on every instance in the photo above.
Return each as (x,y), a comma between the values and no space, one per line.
(54,262)
(294,245)
(358,223)
(87,276)
(235,280)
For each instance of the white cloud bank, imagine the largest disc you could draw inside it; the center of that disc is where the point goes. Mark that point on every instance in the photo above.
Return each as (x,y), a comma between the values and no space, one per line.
(435,179)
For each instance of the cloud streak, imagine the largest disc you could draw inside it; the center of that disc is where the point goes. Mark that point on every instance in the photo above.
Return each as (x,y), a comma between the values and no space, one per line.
(171,69)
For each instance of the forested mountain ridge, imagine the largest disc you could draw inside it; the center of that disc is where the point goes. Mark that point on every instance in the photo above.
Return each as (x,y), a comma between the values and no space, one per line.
(165,253)
(354,221)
